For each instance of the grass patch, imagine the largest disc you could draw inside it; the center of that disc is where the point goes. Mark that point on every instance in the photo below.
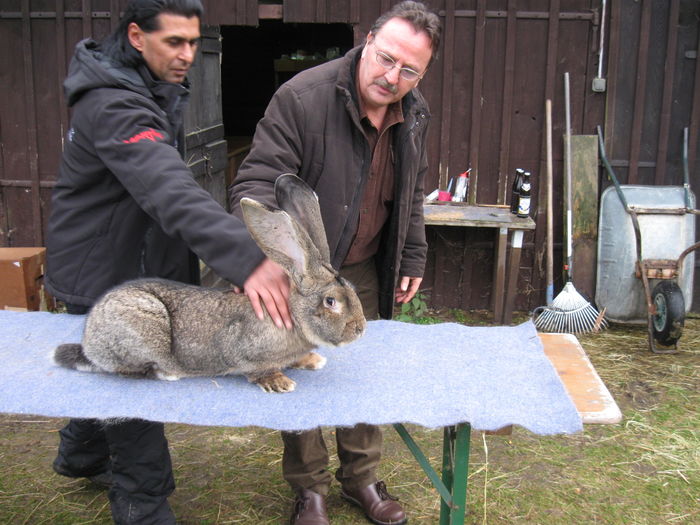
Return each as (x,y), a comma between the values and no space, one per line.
(645,470)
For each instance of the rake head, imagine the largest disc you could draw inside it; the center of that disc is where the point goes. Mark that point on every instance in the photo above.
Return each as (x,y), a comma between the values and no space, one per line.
(570,313)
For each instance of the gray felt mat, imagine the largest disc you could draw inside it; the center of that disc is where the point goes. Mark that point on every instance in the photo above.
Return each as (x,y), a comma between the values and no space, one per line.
(397,373)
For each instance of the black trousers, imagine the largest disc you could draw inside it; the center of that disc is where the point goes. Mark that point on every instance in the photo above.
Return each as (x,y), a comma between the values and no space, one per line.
(136,452)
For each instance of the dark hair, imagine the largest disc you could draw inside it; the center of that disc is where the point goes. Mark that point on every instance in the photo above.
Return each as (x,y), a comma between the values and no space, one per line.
(419,16)
(144,13)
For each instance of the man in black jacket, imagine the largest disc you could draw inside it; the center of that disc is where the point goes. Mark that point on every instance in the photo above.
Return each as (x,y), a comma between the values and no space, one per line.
(355,130)
(125,205)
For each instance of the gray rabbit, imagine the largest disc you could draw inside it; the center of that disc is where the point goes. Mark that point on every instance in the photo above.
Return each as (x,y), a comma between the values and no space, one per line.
(168,330)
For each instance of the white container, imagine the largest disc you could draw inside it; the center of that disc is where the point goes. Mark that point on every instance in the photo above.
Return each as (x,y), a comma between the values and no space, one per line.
(462,187)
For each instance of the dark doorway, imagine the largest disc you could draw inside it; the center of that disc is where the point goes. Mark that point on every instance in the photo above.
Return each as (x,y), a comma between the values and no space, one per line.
(251,54)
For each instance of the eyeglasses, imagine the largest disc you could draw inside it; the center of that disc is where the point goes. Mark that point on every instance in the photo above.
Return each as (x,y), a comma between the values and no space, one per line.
(389,63)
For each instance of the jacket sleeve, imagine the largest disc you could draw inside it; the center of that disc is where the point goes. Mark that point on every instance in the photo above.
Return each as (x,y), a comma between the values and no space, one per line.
(133,142)
(415,248)
(277,149)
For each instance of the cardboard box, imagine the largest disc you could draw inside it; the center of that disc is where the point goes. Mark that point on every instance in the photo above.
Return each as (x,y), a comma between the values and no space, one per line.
(22,279)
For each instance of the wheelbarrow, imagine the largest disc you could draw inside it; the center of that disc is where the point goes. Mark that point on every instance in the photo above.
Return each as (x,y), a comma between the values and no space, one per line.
(647,234)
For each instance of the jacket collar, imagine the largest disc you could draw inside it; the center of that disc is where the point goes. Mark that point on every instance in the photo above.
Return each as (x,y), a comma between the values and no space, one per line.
(161,88)
(169,96)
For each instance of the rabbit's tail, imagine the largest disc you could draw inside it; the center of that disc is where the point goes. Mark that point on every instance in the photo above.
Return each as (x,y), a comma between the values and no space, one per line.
(72,356)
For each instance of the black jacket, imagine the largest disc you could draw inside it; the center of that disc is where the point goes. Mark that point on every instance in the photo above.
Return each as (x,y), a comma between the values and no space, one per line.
(125,204)
(312,128)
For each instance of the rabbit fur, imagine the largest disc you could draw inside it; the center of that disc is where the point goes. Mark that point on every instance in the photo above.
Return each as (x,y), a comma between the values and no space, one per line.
(168,330)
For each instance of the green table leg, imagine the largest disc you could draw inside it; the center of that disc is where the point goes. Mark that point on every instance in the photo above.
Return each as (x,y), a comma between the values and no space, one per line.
(460,473)
(448,434)
(455,469)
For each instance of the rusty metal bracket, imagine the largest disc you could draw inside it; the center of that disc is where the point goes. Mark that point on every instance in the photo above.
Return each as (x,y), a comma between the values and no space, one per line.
(656,268)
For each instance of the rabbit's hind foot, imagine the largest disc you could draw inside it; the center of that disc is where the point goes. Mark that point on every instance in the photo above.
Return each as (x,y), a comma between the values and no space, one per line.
(274,381)
(310,361)
(152,371)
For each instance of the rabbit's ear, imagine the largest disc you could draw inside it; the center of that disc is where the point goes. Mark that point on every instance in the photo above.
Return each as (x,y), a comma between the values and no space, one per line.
(283,240)
(298,199)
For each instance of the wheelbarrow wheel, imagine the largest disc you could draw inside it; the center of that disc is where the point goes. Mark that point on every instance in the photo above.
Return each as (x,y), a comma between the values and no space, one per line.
(670,313)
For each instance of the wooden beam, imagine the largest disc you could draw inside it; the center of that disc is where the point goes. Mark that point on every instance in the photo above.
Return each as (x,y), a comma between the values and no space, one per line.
(667,97)
(270,11)
(584,190)
(640,93)
(477,90)
(31,125)
(447,89)
(507,107)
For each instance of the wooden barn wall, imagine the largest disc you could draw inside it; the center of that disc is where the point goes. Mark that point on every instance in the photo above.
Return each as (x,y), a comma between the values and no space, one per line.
(230,12)
(654,93)
(323,11)
(499,61)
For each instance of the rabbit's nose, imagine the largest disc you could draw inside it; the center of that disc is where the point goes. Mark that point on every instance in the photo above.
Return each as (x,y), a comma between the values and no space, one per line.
(356,328)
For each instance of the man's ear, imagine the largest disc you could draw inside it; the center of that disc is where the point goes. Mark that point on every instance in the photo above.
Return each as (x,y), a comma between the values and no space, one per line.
(136,36)
(368,40)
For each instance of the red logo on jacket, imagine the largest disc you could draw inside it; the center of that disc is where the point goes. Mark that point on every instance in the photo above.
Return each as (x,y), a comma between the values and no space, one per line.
(150,134)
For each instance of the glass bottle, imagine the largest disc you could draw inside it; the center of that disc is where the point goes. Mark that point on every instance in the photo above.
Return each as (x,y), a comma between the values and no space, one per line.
(524,198)
(515,192)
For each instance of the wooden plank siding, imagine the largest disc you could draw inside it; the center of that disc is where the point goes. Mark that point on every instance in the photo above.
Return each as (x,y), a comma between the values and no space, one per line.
(499,61)
(322,11)
(230,12)
(653,93)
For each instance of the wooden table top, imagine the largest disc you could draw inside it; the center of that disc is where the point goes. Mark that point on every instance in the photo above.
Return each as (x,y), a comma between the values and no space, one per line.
(461,214)
(583,384)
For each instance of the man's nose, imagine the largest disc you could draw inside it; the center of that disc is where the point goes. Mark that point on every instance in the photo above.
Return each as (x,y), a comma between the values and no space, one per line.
(188,52)
(392,76)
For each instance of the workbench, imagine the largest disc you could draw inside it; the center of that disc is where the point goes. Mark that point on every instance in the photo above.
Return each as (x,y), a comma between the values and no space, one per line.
(589,394)
(501,219)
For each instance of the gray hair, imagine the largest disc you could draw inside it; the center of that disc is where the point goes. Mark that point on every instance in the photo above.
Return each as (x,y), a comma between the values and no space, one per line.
(419,16)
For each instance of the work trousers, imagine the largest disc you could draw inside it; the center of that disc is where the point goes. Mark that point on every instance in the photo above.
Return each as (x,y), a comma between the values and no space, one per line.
(135,451)
(305,458)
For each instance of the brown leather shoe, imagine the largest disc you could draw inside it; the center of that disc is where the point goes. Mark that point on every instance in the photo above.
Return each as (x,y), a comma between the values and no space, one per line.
(380,507)
(309,509)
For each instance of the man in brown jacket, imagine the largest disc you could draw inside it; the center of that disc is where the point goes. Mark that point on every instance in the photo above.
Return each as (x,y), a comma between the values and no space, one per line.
(355,130)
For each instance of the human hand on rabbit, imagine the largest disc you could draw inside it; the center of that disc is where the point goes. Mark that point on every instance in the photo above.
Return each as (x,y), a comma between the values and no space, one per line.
(268,285)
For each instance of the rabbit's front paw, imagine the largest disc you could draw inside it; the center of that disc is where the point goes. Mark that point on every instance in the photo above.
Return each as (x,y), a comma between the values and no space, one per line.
(310,361)
(165,377)
(274,382)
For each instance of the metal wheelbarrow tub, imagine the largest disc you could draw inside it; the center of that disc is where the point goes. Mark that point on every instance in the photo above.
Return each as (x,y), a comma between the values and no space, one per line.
(663,235)
(662,220)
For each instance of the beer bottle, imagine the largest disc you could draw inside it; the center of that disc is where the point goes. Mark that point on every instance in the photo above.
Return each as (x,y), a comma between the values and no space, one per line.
(524,199)
(515,193)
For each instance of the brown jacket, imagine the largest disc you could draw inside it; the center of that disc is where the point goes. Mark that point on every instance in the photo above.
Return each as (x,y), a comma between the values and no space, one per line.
(312,128)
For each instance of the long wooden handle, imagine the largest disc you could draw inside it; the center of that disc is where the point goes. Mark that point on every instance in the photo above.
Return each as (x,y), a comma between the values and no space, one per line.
(569,199)
(550,204)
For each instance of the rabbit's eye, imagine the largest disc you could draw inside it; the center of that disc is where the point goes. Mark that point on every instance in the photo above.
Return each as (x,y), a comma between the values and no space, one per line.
(330,302)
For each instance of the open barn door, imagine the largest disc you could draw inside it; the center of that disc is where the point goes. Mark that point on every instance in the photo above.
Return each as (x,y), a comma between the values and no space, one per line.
(206,147)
